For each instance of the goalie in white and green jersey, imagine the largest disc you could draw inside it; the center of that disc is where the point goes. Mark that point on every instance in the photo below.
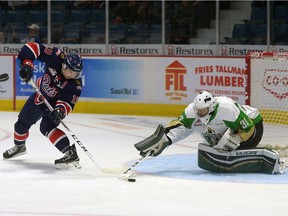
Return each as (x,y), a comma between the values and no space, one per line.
(230,131)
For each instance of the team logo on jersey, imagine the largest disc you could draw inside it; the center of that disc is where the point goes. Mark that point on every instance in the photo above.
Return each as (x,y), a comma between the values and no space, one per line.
(174,81)
(275,81)
(50,91)
(198,123)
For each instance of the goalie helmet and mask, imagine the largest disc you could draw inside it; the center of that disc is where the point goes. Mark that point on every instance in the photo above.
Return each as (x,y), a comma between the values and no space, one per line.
(73,64)
(204,105)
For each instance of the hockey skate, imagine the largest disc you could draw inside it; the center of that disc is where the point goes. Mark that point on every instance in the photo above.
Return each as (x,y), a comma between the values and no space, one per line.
(15,151)
(70,159)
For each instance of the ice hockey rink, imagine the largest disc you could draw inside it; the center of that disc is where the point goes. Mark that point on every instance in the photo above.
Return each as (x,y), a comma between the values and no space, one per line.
(171,184)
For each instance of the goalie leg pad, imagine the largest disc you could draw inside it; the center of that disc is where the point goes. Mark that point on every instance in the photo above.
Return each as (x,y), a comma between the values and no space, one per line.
(258,160)
(155,143)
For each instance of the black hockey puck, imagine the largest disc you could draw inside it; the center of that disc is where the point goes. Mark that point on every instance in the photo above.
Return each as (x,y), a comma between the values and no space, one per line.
(131,180)
(4,77)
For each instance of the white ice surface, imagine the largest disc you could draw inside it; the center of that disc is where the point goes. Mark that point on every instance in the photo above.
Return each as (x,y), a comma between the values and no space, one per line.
(170,184)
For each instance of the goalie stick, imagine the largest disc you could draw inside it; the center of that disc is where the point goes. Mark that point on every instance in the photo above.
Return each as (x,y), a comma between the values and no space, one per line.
(145,145)
(68,129)
(129,171)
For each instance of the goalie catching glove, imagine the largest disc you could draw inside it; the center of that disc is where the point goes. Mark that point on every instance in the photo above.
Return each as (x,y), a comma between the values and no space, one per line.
(154,144)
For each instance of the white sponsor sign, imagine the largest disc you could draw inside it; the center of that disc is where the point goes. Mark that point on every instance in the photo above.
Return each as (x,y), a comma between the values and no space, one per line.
(178,80)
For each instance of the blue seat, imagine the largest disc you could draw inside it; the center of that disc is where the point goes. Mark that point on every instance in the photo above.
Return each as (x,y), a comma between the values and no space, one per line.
(71,34)
(35,16)
(2,17)
(16,17)
(242,31)
(73,30)
(58,17)
(241,34)
(259,34)
(156,34)
(97,16)
(279,33)
(94,34)
(258,13)
(116,33)
(260,30)
(93,30)
(280,13)
(78,16)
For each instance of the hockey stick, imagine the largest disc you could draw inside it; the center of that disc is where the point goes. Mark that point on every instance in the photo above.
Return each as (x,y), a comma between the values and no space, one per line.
(68,129)
(128,172)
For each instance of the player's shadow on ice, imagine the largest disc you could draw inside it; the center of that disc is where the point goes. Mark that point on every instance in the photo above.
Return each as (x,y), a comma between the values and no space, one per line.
(32,165)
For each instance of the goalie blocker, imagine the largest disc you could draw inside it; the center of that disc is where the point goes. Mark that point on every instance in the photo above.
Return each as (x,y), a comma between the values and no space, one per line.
(154,144)
(258,160)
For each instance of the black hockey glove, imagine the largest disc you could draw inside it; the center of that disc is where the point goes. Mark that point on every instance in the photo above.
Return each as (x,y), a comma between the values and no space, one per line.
(26,72)
(57,115)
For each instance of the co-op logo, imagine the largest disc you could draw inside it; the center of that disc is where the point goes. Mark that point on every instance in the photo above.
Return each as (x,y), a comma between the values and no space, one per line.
(170,50)
(224,50)
(275,81)
(114,50)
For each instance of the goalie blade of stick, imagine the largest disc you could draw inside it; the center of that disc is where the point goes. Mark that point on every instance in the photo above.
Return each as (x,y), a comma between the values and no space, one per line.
(4,77)
(126,176)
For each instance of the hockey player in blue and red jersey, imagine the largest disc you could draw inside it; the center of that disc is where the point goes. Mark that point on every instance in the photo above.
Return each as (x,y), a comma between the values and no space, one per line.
(61,86)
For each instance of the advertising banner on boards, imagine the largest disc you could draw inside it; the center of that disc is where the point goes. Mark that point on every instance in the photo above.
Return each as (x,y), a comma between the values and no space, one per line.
(159,80)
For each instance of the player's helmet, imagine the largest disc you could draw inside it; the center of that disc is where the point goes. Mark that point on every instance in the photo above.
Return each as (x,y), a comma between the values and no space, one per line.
(74,63)
(204,100)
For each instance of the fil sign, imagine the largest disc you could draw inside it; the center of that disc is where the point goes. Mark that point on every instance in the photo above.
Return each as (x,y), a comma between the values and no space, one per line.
(174,81)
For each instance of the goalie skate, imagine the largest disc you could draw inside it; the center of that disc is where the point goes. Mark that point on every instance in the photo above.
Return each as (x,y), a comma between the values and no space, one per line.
(15,151)
(69,160)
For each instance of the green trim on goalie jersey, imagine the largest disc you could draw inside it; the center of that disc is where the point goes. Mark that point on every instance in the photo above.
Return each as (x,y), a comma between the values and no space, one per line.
(242,121)
(187,122)
(257,119)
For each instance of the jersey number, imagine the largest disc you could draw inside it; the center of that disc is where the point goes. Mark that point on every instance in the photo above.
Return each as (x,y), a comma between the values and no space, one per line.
(244,124)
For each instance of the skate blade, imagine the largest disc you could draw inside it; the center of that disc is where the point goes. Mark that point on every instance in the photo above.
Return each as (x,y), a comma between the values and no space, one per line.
(16,155)
(65,166)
